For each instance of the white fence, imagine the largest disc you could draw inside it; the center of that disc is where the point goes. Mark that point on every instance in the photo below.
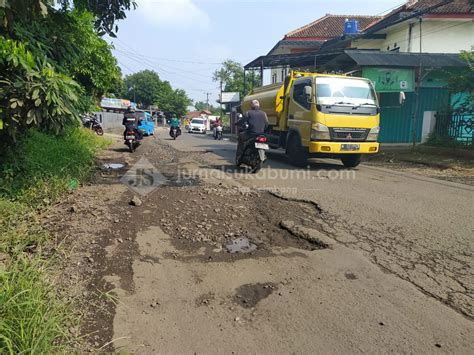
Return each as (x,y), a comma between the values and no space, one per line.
(109,120)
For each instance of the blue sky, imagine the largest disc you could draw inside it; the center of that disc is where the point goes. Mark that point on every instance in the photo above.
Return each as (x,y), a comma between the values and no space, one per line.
(184,40)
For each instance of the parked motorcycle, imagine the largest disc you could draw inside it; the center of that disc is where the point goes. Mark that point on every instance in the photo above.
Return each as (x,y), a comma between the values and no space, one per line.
(175,132)
(90,122)
(132,140)
(254,153)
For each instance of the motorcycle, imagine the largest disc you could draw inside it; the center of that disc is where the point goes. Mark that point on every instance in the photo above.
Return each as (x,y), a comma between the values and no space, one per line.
(217,133)
(175,132)
(91,122)
(253,152)
(131,139)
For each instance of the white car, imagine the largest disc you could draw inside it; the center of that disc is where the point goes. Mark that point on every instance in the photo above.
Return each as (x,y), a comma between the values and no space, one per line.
(197,125)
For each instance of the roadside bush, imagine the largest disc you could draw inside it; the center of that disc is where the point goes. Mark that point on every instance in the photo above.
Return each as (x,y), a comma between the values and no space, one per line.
(32,93)
(43,166)
(447,142)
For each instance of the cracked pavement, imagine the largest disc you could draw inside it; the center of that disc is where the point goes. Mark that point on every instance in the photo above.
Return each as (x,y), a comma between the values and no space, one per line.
(331,261)
(421,229)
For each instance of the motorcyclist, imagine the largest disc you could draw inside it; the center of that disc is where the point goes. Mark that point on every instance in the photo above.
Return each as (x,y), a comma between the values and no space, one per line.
(131,121)
(175,123)
(215,124)
(257,123)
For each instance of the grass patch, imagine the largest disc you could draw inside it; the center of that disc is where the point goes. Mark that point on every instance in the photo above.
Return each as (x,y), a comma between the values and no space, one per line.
(435,141)
(37,172)
(43,166)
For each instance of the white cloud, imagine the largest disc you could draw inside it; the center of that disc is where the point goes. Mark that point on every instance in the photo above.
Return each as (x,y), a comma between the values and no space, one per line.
(173,13)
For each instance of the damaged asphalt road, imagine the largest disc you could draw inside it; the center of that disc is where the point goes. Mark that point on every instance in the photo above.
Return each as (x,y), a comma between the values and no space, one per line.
(212,264)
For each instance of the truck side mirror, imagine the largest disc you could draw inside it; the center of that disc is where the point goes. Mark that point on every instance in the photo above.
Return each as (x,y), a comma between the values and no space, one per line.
(402,98)
(308,91)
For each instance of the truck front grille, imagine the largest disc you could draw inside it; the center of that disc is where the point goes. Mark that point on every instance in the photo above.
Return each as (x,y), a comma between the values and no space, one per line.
(349,134)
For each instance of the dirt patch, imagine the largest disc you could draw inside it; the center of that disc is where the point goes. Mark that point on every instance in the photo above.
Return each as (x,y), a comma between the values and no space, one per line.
(84,224)
(434,163)
(205,299)
(248,296)
(350,276)
(98,228)
(214,218)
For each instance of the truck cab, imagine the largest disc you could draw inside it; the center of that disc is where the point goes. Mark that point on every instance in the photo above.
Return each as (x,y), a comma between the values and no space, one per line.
(320,115)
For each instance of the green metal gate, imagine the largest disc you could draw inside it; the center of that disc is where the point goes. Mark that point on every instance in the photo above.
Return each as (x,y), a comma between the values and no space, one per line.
(396,120)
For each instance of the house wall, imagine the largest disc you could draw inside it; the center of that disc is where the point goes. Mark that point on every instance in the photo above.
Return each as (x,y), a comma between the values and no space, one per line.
(367,44)
(443,36)
(437,36)
(396,37)
(278,75)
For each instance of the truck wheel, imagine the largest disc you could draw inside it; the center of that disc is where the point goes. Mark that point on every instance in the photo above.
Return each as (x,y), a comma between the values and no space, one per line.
(351,161)
(297,154)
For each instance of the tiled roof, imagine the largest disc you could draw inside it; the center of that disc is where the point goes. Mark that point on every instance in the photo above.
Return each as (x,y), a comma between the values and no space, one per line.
(454,7)
(329,26)
(196,114)
(193,114)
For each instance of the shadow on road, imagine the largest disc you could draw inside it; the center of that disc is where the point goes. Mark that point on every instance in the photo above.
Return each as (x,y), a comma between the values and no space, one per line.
(276,158)
(120,150)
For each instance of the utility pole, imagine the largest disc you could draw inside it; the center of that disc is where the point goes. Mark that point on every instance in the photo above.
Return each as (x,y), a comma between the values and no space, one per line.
(415,109)
(220,100)
(207,99)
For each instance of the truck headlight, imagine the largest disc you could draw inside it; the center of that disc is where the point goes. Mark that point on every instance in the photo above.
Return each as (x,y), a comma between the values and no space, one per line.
(320,132)
(374,134)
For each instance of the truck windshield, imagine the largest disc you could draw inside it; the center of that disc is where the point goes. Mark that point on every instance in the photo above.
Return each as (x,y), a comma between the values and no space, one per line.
(197,121)
(344,91)
(352,96)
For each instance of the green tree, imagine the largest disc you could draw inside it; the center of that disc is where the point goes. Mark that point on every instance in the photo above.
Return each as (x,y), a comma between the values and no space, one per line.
(71,43)
(33,93)
(53,63)
(144,87)
(106,12)
(463,81)
(200,105)
(148,89)
(231,75)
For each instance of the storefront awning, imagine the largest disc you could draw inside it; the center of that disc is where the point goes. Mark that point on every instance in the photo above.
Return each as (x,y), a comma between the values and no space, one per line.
(364,58)
(341,59)
(294,60)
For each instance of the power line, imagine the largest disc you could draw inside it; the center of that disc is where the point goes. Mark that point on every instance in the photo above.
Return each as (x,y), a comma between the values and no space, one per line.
(386,11)
(176,79)
(164,65)
(176,60)
(135,70)
(152,66)
(126,67)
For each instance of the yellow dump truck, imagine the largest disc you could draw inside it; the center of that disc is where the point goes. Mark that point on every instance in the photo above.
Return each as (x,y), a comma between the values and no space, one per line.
(321,115)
